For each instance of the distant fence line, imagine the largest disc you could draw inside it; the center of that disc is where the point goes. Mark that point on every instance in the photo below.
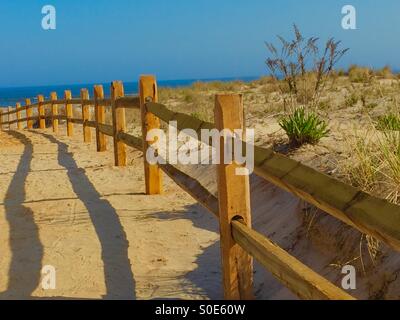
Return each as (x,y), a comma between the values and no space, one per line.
(239,242)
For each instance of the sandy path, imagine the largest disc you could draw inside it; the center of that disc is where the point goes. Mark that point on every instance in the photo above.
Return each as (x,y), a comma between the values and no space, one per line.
(65,205)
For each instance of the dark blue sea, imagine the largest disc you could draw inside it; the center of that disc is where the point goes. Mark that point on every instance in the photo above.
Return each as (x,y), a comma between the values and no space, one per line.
(10,96)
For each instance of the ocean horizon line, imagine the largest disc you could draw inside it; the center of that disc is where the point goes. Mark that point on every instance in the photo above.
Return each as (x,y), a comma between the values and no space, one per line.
(231,78)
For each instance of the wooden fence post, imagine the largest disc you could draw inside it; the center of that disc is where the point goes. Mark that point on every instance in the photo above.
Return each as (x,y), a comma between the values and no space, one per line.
(148,93)
(100,115)
(87,133)
(9,118)
(54,112)
(18,108)
(29,122)
(234,202)
(42,120)
(69,113)
(119,125)
(1,119)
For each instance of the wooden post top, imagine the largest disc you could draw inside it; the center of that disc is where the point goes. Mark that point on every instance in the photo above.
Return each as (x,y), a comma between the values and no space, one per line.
(148,88)
(117,89)
(84,94)
(98,91)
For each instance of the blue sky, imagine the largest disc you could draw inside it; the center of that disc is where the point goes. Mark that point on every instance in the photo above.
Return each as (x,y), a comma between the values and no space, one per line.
(103,40)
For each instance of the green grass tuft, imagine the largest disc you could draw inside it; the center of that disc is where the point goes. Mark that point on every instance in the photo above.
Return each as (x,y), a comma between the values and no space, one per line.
(304,127)
(388,122)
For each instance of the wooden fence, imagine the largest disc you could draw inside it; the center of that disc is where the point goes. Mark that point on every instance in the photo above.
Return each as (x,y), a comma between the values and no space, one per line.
(239,242)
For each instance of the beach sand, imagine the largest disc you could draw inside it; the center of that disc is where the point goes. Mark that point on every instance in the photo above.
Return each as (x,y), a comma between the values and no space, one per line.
(65,205)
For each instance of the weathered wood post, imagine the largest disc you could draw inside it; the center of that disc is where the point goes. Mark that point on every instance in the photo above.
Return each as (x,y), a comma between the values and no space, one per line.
(87,133)
(119,124)
(234,203)
(1,119)
(100,116)
(29,122)
(69,113)
(42,120)
(148,93)
(54,112)
(18,109)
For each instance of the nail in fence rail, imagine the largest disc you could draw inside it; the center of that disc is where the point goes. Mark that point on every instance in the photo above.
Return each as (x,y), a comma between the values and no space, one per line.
(87,133)
(119,125)
(100,117)
(147,93)
(234,202)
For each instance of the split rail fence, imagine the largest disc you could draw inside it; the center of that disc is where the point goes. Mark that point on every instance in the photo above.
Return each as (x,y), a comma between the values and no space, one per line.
(239,242)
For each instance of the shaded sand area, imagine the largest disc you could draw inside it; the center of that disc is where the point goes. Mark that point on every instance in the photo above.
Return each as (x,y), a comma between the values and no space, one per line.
(63,204)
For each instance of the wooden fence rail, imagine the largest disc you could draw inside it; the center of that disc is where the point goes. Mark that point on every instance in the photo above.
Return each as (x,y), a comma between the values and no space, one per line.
(239,242)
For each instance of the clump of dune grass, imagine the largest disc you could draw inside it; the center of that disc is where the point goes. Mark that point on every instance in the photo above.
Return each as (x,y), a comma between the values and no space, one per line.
(360,74)
(389,121)
(196,100)
(218,86)
(304,127)
(264,80)
(374,162)
(341,72)
(385,73)
(351,100)
(373,165)
(361,167)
